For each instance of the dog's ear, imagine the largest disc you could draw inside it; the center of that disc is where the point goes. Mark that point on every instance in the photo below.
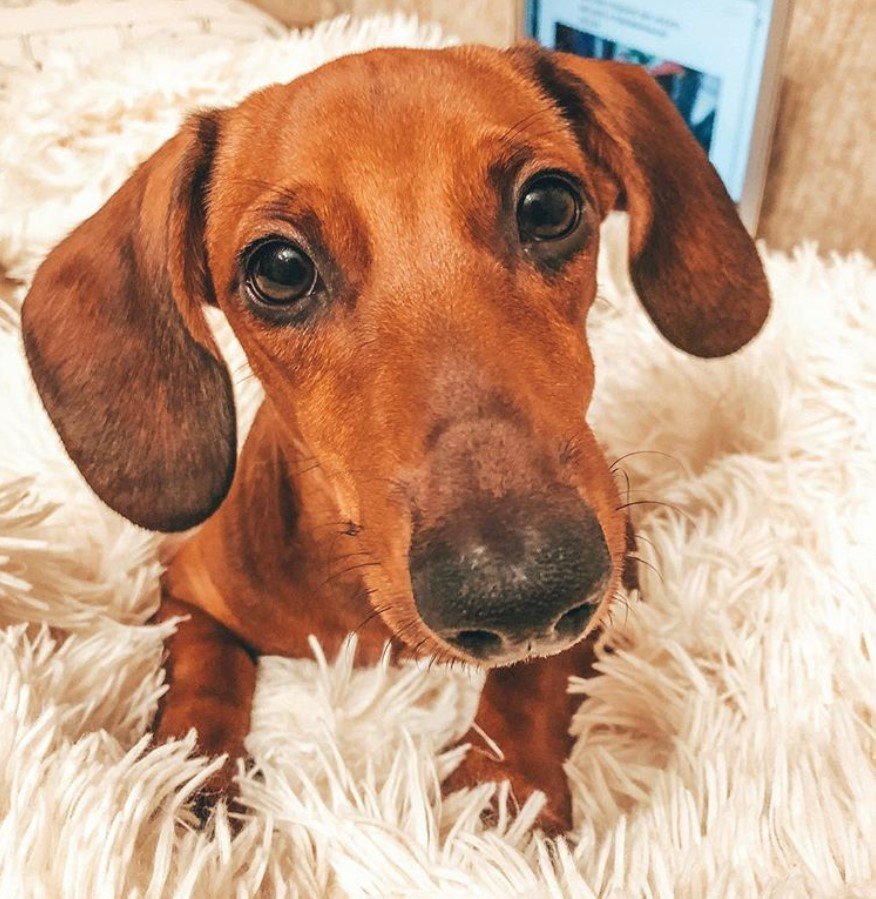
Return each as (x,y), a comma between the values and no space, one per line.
(694,265)
(120,350)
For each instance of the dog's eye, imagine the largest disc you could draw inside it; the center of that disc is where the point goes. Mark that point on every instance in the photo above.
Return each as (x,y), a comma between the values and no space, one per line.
(549,209)
(280,273)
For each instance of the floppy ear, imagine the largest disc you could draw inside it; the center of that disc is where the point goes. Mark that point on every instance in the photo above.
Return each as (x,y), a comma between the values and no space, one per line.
(694,265)
(121,353)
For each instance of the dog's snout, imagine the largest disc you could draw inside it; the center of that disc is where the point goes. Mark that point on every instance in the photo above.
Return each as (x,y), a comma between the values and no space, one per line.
(511,577)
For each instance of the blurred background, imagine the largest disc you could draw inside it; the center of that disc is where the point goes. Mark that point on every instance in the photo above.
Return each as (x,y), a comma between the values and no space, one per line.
(820,182)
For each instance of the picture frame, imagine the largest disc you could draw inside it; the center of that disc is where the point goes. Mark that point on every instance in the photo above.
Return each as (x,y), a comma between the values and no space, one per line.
(719,61)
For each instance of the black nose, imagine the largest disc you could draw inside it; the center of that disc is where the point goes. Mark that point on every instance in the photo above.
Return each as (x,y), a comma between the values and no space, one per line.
(519,570)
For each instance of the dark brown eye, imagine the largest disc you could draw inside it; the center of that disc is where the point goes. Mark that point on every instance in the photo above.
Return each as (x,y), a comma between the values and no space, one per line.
(549,209)
(280,273)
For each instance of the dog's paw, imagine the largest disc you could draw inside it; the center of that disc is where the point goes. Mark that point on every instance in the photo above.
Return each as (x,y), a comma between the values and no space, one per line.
(479,767)
(220,786)
(217,733)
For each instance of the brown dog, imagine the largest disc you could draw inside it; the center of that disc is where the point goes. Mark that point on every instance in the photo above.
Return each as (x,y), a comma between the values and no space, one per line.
(405,244)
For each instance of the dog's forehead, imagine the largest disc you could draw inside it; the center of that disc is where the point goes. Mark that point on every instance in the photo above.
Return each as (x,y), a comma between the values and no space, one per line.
(401,143)
(388,106)
(400,85)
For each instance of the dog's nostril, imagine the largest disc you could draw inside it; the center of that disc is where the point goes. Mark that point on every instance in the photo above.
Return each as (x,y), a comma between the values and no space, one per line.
(479,644)
(575,620)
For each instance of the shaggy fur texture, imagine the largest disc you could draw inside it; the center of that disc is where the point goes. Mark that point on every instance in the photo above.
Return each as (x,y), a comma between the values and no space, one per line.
(727,749)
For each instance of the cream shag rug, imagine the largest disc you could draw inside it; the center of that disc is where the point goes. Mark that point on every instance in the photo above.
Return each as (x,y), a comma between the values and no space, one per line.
(727,749)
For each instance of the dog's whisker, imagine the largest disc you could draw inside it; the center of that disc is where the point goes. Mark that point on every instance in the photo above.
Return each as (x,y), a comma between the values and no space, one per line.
(374,613)
(572,447)
(651,544)
(658,502)
(355,550)
(352,555)
(646,563)
(647,540)
(411,625)
(646,453)
(647,502)
(337,559)
(312,467)
(517,127)
(626,478)
(395,483)
(565,451)
(416,650)
(351,568)
(562,129)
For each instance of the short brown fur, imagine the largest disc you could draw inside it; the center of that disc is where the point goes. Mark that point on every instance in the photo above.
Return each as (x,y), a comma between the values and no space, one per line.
(449,364)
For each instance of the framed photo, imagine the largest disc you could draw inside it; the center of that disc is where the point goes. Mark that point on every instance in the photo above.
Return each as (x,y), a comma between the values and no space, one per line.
(718,60)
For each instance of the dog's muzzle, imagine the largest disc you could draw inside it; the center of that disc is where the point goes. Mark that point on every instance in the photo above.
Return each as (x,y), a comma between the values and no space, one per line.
(512,577)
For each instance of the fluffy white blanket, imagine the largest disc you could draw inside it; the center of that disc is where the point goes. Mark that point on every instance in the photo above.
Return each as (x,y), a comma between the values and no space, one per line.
(727,749)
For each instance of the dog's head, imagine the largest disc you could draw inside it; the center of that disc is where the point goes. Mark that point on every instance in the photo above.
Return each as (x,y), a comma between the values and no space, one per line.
(405,244)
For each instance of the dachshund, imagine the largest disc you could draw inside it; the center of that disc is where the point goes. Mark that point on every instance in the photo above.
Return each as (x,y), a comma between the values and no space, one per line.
(404,243)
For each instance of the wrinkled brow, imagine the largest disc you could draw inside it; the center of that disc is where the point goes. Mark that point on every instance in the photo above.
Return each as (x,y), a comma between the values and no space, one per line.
(290,205)
(508,157)
(327,226)
(505,159)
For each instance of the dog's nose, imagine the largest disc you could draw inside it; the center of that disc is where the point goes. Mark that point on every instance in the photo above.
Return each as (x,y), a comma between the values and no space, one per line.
(511,577)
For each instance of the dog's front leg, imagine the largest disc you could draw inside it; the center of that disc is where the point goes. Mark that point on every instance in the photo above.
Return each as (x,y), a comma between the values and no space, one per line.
(526,710)
(211,677)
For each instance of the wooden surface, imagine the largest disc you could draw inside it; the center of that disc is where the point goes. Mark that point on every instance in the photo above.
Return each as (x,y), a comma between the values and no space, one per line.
(475,21)
(297,13)
(822,175)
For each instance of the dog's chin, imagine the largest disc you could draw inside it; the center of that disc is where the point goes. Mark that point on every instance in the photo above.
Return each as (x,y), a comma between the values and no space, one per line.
(512,654)
(530,650)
